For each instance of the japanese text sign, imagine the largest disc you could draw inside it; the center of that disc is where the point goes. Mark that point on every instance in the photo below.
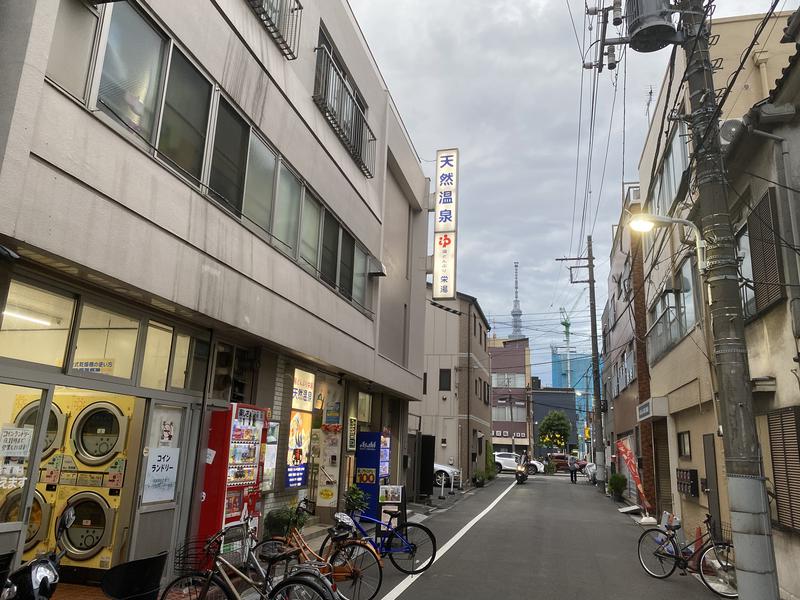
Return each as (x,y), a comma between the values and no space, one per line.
(444,265)
(303,390)
(161,475)
(445,224)
(15,442)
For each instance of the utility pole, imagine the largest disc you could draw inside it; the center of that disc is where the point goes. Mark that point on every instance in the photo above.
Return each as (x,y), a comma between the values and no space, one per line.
(750,519)
(598,437)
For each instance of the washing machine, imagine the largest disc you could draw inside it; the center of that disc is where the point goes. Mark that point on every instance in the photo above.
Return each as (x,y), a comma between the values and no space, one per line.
(37,537)
(103,442)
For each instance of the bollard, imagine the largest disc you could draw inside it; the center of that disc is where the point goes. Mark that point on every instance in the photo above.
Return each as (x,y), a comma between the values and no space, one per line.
(441,493)
(451,492)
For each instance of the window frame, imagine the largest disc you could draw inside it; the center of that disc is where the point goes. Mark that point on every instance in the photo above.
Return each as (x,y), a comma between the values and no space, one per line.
(684,445)
(449,387)
(98,12)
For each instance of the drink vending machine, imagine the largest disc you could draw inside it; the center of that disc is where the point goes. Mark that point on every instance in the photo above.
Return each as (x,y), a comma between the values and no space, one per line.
(232,475)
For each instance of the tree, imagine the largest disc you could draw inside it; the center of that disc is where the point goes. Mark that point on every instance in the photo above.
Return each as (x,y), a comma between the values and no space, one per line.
(554,430)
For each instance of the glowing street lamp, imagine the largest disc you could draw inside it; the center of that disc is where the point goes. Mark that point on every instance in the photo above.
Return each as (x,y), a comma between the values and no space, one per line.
(644,223)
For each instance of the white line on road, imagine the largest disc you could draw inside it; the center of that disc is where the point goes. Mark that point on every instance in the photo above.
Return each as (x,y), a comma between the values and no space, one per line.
(406,583)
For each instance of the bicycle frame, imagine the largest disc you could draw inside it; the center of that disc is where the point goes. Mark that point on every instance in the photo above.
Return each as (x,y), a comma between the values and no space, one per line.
(386,530)
(683,559)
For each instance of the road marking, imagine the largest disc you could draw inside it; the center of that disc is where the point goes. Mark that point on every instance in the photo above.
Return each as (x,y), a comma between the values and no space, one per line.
(406,583)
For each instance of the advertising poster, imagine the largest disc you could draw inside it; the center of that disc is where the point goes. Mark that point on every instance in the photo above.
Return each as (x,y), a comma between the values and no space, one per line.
(161,475)
(303,390)
(328,492)
(367,465)
(270,456)
(299,445)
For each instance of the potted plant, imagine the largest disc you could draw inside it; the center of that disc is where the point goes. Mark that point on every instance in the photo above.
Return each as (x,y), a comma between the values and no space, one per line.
(356,500)
(479,479)
(617,484)
(278,521)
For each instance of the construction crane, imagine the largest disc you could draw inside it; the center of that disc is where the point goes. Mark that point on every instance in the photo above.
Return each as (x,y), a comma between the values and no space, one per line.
(565,322)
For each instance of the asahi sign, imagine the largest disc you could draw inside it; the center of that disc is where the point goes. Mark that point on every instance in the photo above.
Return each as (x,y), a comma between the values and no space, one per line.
(445,225)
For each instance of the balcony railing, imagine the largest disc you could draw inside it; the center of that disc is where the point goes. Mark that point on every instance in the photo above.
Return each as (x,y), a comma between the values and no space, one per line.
(664,333)
(338,103)
(281,18)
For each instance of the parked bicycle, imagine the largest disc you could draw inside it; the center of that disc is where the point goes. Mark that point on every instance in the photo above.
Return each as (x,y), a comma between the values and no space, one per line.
(410,546)
(712,559)
(226,568)
(357,567)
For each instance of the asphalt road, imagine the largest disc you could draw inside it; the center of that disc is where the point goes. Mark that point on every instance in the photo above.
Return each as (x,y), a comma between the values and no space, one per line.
(545,539)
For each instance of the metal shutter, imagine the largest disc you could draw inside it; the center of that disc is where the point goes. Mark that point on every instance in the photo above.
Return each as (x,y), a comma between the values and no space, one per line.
(765,256)
(784,440)
(662,472)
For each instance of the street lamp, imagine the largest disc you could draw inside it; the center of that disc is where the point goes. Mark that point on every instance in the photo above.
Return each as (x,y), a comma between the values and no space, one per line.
(644,223)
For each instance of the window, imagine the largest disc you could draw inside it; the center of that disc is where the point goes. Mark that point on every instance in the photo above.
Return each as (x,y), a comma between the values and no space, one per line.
(686,304)
(35,325)
(784,436)
(684,445)
(444,380)
(185,117)
(260,184)
(518,413)
(190,363)
(474,325)
(767,267)
(508,380)
(71,48)
(129,84)
(230,152)
(746,269)
(156,356)
(330,249)
(360,278)
(346,264)
(287,210)
(309,232)
(425,383)
(502,412)
(106,342)
(476,387)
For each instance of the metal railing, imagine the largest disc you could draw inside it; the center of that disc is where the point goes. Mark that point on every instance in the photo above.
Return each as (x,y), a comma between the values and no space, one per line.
(337,102)
(281,18)
(664,333)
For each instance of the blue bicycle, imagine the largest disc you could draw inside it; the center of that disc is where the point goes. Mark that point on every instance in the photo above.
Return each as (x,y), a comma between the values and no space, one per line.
(410,546)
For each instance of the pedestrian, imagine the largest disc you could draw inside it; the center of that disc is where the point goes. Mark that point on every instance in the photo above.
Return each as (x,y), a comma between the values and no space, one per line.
(572,463)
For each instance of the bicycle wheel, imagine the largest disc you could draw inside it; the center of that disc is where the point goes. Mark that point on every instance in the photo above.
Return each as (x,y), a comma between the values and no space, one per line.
(264,550)
(299,588)
(718,570)
(191,586)
(357,570)
(658,553)
(411,548)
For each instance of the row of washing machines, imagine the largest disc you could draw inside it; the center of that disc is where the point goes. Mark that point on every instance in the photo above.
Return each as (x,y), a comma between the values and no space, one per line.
(85,463)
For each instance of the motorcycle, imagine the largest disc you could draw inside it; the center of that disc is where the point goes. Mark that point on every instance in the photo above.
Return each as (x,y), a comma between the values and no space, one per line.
(522,473)
(37,579)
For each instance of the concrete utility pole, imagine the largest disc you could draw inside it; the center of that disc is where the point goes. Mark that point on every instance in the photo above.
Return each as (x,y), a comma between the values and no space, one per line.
(750,520)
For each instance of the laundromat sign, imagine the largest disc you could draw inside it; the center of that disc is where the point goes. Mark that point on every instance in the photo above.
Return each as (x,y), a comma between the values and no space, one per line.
(15,442)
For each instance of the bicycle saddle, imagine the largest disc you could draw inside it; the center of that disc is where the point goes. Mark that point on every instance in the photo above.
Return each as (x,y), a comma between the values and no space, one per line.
(674,527)
(277,557)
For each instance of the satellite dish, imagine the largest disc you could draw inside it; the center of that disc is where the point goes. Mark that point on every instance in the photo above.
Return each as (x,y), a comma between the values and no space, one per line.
(730,129)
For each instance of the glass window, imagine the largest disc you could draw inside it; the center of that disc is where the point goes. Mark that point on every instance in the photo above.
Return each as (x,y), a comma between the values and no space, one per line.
(132,66)
(309,232)
(71,48)
(190,363)
(260,183)
(230,156)
(156,356)
(518,413)
(223,372)
(444,380)
(684,444)
(746,272)
(185,119)
(687,293)
(106,342)
(360,277)
(35,325)
(501,413)
(346,265)
(287,210)
(330,249)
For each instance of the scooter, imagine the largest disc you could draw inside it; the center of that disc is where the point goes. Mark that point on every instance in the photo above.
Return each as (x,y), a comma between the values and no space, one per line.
(37,579)
(522,473)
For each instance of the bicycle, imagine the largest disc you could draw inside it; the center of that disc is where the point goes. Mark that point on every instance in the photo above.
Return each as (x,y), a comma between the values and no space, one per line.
(416,543)
(357,569)
(660,554)
(210,567)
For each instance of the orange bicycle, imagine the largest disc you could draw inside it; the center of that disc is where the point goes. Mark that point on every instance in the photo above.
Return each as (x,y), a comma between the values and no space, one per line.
(357,567)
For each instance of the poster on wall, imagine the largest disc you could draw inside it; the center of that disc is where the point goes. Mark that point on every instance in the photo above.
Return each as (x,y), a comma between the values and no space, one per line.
(161,475)
(303,390)
(299,444)
(270,460)
(330,445)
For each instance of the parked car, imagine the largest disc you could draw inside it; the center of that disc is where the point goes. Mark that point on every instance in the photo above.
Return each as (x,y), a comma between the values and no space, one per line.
(445,474)
(535,466)
(505,461)
(561,461)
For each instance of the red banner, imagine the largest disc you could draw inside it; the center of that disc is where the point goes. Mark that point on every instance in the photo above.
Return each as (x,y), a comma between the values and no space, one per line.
(633,468)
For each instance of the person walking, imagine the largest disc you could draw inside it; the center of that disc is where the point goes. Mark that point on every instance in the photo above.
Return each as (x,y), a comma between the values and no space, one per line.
(572,463)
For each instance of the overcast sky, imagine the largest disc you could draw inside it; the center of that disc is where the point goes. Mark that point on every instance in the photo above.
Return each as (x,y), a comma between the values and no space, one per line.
(501,81)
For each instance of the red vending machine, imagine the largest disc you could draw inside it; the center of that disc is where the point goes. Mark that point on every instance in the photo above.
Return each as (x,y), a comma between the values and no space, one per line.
(232,467)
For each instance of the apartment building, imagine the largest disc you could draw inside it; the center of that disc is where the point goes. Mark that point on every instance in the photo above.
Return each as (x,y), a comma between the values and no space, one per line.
(205,205)
(511,376)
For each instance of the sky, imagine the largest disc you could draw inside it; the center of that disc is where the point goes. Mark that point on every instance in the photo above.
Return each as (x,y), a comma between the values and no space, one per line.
(501,81)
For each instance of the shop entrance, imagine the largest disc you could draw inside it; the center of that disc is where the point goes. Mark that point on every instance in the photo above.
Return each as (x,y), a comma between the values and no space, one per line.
(24,507)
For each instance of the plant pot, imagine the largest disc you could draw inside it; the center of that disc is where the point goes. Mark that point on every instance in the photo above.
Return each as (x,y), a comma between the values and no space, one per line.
(618,497)
(479,483)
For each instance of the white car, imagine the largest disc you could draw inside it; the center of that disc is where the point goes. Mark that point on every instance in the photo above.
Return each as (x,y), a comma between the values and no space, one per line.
(506,461)
(445,474)
(534,467)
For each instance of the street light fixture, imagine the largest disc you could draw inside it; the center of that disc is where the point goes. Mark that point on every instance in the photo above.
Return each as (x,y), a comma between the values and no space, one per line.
(644,223)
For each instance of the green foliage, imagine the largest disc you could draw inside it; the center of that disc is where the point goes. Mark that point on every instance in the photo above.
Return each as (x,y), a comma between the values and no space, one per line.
(489,462)
(549,468)
(279,521)
(554,430)
(617,484)
(480,478)
(356,499)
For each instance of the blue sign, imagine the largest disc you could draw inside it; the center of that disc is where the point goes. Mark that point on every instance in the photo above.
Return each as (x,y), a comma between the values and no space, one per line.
(368,462)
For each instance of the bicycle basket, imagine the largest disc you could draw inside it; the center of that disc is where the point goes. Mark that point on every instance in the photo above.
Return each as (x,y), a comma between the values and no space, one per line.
(193,555)
(235,545)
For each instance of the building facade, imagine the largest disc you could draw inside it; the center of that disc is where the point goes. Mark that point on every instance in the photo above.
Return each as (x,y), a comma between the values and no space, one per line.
(204,204)
(511,376)
(456,383)
(575,371)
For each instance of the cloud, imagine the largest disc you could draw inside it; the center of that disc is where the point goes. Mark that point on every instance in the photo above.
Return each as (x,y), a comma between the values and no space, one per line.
(501,80)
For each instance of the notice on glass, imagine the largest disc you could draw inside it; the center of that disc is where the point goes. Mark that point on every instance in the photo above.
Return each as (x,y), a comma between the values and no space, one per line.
(161,475)
(15,442)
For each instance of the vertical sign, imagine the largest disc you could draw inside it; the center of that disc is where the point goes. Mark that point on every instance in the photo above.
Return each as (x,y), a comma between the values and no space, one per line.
(300,429)
(367,465)
(445,224)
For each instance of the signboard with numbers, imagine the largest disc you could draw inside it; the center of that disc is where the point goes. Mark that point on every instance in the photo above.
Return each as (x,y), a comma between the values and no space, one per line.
(445,224)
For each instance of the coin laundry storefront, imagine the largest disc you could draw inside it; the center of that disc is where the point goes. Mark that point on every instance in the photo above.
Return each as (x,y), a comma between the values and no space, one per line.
(93,395)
